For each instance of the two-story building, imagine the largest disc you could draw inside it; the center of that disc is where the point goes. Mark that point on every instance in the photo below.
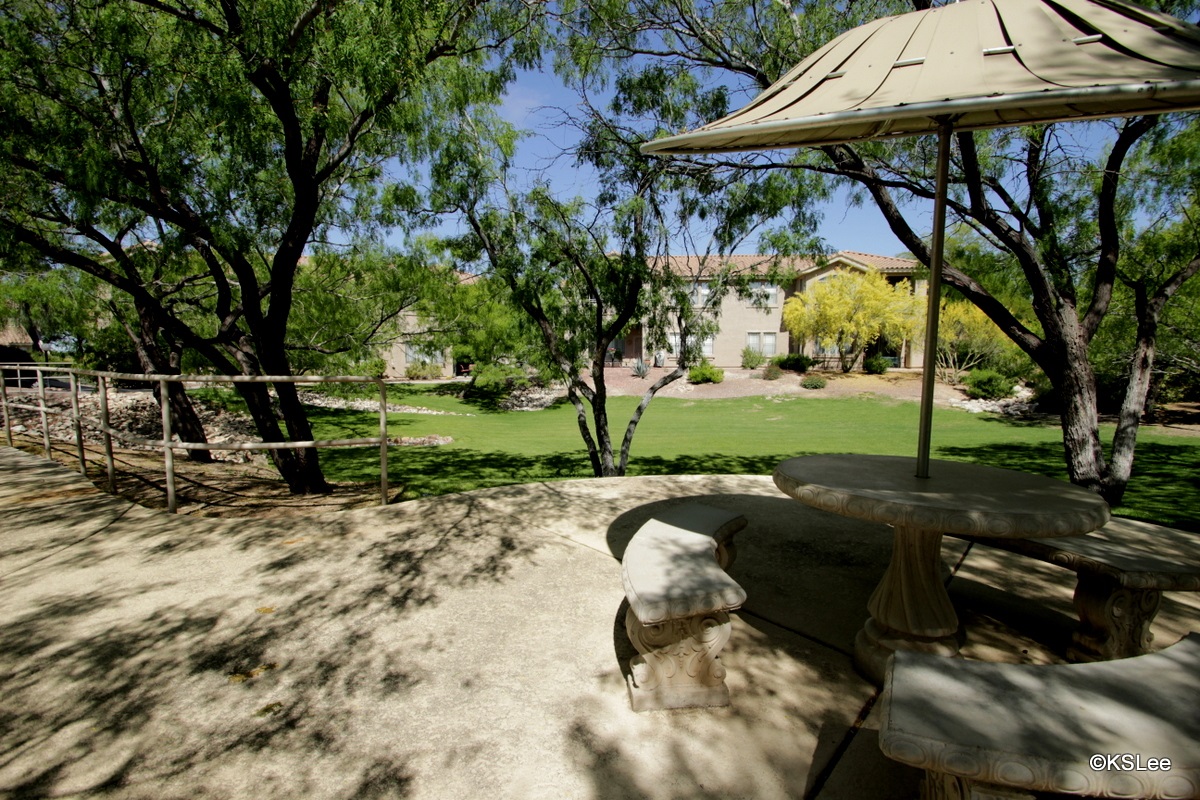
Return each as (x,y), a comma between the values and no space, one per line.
(757,322)
(744,322)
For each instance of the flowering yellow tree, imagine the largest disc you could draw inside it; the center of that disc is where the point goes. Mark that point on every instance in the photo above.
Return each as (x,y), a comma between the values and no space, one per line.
(849,310)
(967,338)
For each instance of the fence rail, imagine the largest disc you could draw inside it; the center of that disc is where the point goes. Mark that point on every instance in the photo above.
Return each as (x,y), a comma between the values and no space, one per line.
(46,373)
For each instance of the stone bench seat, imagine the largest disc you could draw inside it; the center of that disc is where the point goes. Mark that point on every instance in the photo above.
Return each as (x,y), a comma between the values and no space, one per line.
(1123,568)
(679,602)
(983,730)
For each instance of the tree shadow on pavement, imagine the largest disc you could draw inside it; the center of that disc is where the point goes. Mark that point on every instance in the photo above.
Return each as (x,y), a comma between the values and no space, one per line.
(187,657)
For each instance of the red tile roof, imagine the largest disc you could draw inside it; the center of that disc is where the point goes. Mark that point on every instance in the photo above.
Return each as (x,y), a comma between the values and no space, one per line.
(886,264)
(697,266)
(14,336)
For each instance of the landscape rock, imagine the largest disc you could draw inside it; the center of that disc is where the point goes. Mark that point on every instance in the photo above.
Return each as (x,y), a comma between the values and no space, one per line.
(1020,404)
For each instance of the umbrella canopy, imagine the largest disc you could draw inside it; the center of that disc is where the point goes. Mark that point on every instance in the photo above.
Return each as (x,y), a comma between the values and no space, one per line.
(967,66)
(982,63)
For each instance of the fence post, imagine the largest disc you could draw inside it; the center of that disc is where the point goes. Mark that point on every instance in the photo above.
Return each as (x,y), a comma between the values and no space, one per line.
(383,442)
(105,425)
(75,422)
(42,411)
(7,413)
(168,453)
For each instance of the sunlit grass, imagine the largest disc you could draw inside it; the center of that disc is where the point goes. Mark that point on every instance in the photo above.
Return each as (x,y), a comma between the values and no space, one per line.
(742,436)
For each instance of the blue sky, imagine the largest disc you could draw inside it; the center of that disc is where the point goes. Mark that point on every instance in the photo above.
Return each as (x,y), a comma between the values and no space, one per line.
(535,103)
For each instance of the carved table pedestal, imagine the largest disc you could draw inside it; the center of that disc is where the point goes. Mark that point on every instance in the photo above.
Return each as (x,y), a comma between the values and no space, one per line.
(910,608)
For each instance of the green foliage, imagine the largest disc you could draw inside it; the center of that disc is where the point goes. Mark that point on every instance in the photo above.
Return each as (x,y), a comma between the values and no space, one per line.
(813,382)
(794,361)
(110,349)
(641,369)
(582,277)
(773,372)
(705,373)
(850,310)
(423,371)
(751,358)
(499,379)
(1058,209)
(477,319)
(875,365)
(986,384)
(219,398)
(200,160)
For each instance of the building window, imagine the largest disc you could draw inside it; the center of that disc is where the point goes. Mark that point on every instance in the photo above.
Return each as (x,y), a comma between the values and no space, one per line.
(706,347)
(700,292)
(762,342)
(415,354)
(763,293)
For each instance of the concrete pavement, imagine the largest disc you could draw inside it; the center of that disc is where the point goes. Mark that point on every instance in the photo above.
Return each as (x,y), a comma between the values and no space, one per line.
(465,646)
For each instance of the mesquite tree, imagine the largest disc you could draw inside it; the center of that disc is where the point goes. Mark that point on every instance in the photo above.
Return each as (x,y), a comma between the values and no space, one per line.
(1056,199)
(190,154)
(584,274)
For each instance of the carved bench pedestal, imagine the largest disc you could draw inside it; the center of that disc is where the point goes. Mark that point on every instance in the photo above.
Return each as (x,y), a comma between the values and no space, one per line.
(678,665)
(679,602)
(1114,622)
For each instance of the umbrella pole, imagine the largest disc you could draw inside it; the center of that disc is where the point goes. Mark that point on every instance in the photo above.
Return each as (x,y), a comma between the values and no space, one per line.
(935,297)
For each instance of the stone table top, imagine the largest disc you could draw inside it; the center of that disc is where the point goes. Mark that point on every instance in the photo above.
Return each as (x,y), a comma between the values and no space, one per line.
(957,498)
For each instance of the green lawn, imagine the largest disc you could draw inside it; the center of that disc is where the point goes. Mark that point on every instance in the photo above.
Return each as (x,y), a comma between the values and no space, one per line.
(746,435)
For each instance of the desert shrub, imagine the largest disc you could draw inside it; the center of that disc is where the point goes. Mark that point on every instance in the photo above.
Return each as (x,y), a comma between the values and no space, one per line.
(369,367)
(423,371)
(986,384)
(499,379)
(813,382)
(875,365)
(794,362)
(705,373)
(641,369)
(751,358)
(773,372)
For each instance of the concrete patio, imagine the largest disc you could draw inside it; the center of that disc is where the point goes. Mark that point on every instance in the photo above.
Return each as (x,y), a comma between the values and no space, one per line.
(466,646)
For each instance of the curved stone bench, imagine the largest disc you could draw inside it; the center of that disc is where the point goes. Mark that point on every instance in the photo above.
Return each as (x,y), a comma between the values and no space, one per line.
(679,602)
(1102,729)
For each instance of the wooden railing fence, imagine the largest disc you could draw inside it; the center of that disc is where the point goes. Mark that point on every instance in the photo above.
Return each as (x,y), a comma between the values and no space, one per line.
(29,375)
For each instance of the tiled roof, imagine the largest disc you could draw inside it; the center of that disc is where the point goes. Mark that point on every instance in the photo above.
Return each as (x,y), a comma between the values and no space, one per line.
(13,336)
(697,266)
(885,264)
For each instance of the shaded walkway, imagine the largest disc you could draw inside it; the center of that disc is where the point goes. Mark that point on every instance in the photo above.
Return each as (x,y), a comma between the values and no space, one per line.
(462,646)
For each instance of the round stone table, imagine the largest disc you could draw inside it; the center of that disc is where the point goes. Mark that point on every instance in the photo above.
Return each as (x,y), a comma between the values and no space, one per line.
(910,608)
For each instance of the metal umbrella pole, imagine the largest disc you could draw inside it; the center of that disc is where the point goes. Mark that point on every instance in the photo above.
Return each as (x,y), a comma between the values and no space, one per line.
(945,130)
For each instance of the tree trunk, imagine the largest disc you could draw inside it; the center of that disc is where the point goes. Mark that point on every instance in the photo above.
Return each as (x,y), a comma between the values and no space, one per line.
(608,466)
(184,419)
(1081,428)
(585,431)
(35,336)
(299,429)
(297,474)
(627,442)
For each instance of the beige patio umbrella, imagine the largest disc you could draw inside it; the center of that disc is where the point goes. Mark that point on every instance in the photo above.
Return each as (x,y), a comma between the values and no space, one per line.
(966,66)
